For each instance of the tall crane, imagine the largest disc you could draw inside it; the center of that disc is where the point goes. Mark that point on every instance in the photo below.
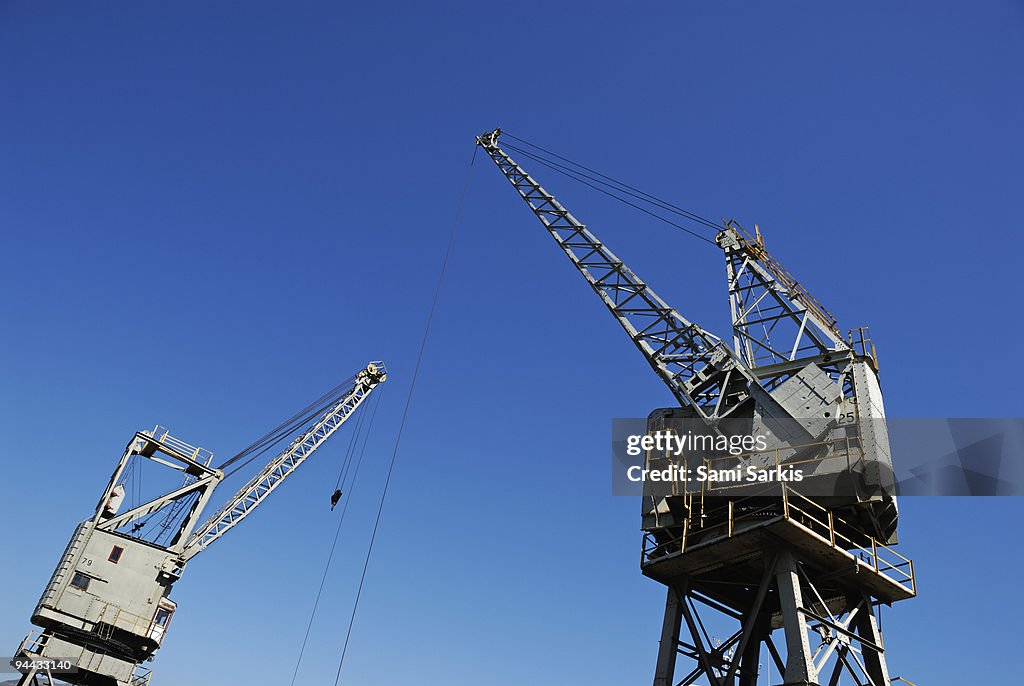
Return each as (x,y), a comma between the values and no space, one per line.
(106,609)
(813,561)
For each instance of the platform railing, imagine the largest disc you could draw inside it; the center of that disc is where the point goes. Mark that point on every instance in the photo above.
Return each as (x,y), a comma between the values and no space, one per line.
(161,435)
(32,643)
(734,518)
(142,676)
(821,521)
(860,341)
(117,618)
(35,643)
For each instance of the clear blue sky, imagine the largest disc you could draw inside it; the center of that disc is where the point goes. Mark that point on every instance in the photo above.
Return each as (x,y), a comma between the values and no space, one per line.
(212,214)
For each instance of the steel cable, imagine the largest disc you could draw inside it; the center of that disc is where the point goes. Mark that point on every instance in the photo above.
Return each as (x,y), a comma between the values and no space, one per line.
(575,177)
(635,192)
(337,533)
(405,414)
(301,417)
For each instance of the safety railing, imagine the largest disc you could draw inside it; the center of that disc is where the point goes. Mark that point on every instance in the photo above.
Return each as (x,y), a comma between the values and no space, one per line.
(141,677)
(860,341)
(162,436)
(821,521)
(33,643)
(112,617)
(742,514)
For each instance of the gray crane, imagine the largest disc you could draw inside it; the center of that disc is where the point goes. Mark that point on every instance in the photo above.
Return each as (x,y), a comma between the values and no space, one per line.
(106,609)
(814,560)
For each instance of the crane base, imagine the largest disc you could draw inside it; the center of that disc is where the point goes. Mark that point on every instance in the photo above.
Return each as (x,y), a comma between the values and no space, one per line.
(766,574)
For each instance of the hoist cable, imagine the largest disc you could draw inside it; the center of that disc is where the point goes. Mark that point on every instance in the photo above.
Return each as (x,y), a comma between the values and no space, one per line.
(286,430)
(626,189)
(353,442)
(610,194)
(651,198)
(337,533)
(279,432)
(405,413)
(262,441)
(287,426)
(362,448)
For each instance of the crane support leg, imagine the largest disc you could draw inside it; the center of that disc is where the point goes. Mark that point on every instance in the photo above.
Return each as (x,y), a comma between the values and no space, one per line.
(874,660)
(669,645)
(749,659)
(799,665)
(828,628)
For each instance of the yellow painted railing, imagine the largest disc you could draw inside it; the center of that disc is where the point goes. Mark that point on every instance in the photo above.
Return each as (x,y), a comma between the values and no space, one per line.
(797,510)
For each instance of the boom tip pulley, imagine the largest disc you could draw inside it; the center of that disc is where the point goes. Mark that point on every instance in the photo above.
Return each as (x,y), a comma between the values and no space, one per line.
(489,139)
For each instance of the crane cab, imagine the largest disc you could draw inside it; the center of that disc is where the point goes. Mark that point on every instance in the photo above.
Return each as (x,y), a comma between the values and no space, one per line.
(164,612)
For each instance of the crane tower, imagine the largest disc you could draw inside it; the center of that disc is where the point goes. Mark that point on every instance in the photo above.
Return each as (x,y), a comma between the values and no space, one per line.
(107,607)
(812,560)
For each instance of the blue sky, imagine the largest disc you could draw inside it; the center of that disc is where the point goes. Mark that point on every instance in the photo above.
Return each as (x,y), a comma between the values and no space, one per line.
(212,214)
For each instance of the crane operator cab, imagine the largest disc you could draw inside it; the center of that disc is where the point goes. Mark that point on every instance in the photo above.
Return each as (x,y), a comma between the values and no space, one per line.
(161,619)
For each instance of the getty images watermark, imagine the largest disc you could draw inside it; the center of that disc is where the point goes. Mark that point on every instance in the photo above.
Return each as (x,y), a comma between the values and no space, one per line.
(821,457)
(673,445)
